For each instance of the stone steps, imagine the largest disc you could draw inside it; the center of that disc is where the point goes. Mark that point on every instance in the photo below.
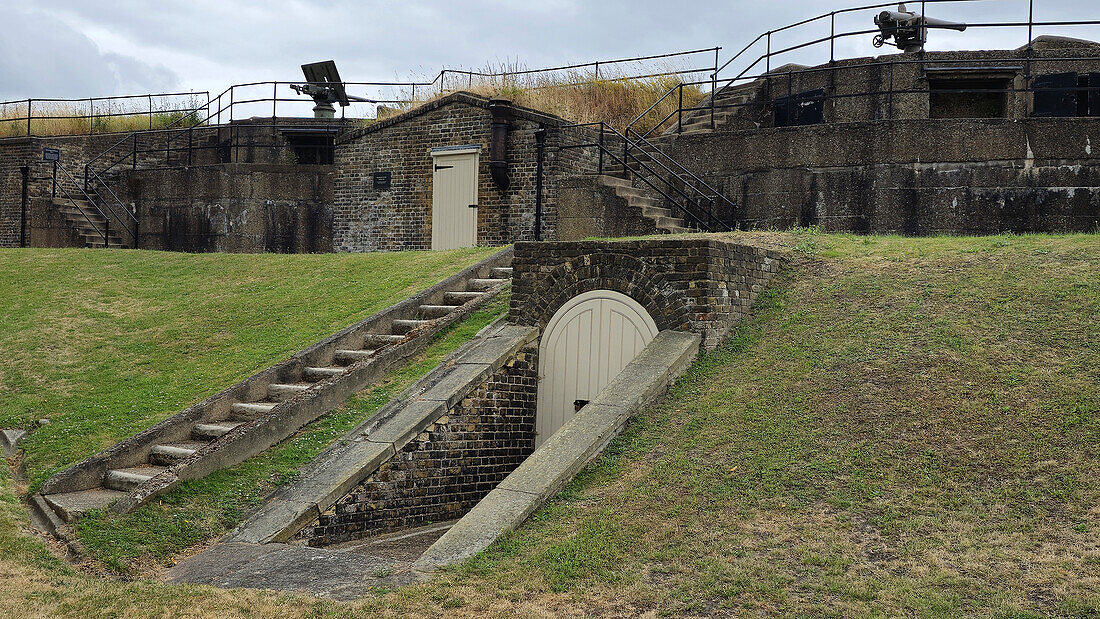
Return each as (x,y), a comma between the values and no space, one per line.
(308,380)
(86,223)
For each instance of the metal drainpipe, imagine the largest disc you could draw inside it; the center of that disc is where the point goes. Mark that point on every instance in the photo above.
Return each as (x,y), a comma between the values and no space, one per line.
(501,110)
(540,151)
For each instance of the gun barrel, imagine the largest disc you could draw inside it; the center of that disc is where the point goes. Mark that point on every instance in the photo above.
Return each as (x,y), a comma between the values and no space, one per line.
(943,23)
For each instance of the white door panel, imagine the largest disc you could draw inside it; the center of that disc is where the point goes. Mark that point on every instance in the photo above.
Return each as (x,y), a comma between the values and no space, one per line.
(584,347)
(454,193)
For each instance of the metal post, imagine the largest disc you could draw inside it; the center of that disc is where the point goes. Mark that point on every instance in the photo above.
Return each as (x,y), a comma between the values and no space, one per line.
(540,150)
(91,116)
(680,110)
(599,167)
(150,101)
(832,36)
(1030,49)
(923,25)
(190,141)
(713,91)
(53,189)
(106,232)
(25,172)
(133,155)
(768,55)
(29,117)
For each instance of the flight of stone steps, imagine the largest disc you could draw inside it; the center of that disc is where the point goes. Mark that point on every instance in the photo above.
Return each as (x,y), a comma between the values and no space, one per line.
(87,224)
(650,207)
(187,438)
(731,112)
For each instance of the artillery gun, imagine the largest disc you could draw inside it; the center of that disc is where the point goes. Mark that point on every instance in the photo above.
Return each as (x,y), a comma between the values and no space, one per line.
(908,29)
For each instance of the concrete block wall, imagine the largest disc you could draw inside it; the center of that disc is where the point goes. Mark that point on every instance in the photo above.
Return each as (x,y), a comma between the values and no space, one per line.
(447,468)
(703,285)
(240,208)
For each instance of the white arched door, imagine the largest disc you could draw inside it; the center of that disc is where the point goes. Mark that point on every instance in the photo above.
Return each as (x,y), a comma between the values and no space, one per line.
(584,346)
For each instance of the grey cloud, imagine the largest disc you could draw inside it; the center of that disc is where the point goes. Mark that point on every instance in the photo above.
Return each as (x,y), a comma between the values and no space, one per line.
(41,56)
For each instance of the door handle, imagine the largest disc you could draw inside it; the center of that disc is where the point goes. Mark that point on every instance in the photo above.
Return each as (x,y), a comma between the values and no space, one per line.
(443,167)
(473,206)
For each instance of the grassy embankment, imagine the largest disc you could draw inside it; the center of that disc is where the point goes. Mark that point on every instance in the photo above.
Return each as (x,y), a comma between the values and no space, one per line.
(104,344)
(906,427)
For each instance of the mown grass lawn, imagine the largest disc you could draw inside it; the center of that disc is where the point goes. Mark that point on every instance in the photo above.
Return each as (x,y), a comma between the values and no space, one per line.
(907,427)
(104,344)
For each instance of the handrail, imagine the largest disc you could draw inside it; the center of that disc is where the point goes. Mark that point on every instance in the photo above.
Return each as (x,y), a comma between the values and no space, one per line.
(104,234)
(705,220)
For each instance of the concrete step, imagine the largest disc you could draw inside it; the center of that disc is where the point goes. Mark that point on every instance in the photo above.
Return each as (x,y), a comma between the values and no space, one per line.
(353,356)
(437,311)
(213,431)
(656,211)
(644,201)
(407,326)
(613,181)
(128,479)
(171,453)
(250,410)
(72,505)
(501,272)
(460,297)
(279,392)
(316,375)
(478,283)
(378,340)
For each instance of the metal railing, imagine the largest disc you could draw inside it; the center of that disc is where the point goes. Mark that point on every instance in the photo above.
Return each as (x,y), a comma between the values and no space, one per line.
(687,195)
(105,232)
(719,84)
(19,118)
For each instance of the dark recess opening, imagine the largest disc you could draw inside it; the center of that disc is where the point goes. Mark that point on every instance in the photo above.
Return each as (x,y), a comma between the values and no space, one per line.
(1067,94)
(312,148)
(967,98)
(804,108)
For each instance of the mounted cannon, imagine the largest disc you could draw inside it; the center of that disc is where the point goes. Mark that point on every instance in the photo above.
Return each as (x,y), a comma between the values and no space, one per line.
(908,29)
(325,88)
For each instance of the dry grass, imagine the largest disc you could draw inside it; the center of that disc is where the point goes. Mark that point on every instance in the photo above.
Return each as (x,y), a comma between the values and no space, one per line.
(55,118)
(576,96)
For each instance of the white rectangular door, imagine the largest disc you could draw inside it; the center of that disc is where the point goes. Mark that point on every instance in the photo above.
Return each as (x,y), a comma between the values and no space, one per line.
(454,198)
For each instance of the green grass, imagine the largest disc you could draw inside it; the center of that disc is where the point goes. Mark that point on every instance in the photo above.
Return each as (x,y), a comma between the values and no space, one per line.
(199,510)
(907,427)
(105,344)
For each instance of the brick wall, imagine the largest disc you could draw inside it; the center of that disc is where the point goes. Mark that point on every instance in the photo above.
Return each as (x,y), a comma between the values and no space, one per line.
(13,155)
(448,468)
(400,218)
(700,284)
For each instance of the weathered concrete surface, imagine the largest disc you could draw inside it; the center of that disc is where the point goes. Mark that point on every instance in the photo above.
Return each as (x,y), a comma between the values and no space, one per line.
(566,452)
(344,465)
(336,574)
(10,439)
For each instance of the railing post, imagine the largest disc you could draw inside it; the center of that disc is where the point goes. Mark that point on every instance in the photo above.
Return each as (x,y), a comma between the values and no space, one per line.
(150,102)
(106,231)
(29,116)
(133,155)
(768,55)
(600,165)
(190,141)
(680,109)
(832,36)
(91,117)
(53,189)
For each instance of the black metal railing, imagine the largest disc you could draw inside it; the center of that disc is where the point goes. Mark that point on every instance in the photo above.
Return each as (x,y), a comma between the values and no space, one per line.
(104,232)
(94,115)
(751,71)
(686,195)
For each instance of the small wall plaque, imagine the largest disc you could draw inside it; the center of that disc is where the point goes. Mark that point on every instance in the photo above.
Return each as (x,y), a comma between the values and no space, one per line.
(51,154)
(382,180)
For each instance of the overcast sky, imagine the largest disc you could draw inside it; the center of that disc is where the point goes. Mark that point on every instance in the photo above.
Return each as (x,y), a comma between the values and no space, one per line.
(76,48)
